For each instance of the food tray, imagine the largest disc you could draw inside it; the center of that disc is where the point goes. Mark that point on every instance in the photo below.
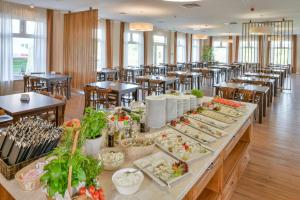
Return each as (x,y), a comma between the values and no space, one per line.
(229,111)
(217,116)
(207,128)
(208,121)
(147,164)
(196,134)
(172,142)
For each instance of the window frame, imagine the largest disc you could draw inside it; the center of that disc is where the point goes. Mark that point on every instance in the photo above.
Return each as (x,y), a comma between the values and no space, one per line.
(156,44)
(221,46)
(197,46)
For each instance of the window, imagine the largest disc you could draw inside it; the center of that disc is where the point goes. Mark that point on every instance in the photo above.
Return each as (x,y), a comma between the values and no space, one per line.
(134,49)
(220,49)
(281,52)
(248,51)
(23,45)
(159,49)
(181,48)
(195,51)
(101,56)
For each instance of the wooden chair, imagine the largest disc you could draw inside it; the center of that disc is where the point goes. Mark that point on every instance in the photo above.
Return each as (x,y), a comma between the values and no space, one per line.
(37,85)
(27,85)
(185,82)
(227,93)
(96,97)
(207,77)
(59,88)
(51,116)
(143,86)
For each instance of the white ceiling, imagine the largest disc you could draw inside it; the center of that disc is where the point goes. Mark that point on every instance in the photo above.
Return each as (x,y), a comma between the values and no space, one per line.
(172,16)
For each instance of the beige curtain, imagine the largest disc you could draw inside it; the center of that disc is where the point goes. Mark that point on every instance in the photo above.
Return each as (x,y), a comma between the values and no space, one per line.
(237,45)
(121,48)
(210,41)
(109,58)
(80,47)
(187,48)
(230,50)
(260,50)
(191,47)
(175,47)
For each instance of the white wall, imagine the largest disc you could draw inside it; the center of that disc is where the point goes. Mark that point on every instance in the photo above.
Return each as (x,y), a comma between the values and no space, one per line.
(115,42)
(298,54)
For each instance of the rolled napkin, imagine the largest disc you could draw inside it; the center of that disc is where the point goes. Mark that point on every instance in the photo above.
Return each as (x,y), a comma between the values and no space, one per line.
(179,106)
(156,111)
(186,103)
(171,108)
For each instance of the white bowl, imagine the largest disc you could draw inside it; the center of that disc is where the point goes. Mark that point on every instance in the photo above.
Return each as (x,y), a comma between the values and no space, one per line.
(130,189)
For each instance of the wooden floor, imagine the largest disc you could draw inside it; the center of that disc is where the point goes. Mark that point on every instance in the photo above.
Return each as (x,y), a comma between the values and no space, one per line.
(274,170)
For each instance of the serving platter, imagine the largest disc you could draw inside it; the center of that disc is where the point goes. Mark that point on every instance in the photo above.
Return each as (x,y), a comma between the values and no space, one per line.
(208,121)
(207,128)
(229,111)
(181,146)
(190,131)
(160,167)
(217,116)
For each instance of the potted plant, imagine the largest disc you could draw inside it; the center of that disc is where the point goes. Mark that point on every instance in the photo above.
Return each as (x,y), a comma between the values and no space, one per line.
(93,123)
(208,54)
(68,169)
(199,94)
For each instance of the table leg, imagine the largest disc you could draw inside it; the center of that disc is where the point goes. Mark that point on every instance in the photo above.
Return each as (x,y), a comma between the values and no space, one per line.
(198,82)
(260,109)
(192,82)
(119,99)
(136,95)
(264,104)
(69,88)
(59,115)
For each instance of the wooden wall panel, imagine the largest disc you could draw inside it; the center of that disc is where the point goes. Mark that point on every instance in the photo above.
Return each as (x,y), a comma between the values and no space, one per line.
(187,47)
(80,47)
(294,53)
(109,57)
(230,50)
(49,61)
(121,48)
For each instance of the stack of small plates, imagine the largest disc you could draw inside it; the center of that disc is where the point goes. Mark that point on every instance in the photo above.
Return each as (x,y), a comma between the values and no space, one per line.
(171,107)
(186,103)
(179,106)
(156,111)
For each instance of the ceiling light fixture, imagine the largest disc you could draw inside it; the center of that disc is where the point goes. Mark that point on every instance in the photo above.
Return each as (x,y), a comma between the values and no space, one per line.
(31,6)
(260,30)
(200,36)
(140,26)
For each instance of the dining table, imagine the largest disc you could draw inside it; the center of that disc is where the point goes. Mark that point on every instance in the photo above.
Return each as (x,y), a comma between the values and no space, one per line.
(225,69)
(105,72)
(262,91)
(213,71)
(118,88)
(195,77)
(165,80)
(52,78)
(37,104)
(278,81)
(159,69)
(132,71)
(256,80)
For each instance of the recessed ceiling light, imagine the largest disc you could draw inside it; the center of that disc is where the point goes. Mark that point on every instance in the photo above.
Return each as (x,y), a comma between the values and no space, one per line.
(123,13)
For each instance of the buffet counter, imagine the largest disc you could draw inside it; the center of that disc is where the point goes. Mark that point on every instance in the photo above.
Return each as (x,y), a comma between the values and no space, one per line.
(213,177)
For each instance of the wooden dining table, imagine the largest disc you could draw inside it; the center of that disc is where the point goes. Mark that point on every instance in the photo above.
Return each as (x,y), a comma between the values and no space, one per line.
(165,80)
(262,91)
(213,71)
(105,72)
(195,77)
(278,81)
(255,80)
(37,104)
(50,78)
(118,88)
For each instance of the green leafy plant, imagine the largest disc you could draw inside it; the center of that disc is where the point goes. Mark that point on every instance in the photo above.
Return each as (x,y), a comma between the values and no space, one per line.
(197,93)
(208,54)
(93,123)
(84,168)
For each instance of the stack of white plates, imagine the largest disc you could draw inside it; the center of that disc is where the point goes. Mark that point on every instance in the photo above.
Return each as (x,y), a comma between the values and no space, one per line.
(156,111)
(186,103)
(171,107)
(179,106)
(193,102)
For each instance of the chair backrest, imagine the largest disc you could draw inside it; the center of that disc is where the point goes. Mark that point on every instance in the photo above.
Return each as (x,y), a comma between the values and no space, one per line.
(90,93)
(34,82)
(2,112)
(227,93)
(247,95)
(26,83)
